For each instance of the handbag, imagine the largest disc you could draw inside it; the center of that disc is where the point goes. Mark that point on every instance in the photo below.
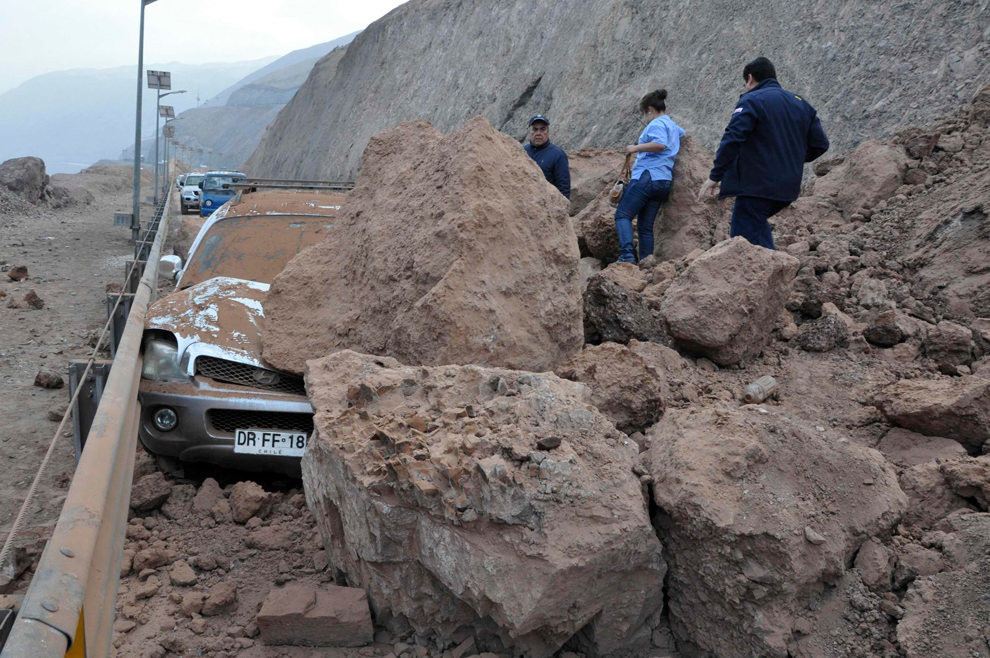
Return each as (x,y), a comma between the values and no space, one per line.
(619,188)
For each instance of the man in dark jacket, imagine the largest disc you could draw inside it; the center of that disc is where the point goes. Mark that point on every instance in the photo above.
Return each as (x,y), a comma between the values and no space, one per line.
(760,160)
(550,157)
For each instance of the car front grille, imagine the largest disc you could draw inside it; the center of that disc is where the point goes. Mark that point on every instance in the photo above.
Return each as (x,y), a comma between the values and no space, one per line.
(225,421)
(248,375)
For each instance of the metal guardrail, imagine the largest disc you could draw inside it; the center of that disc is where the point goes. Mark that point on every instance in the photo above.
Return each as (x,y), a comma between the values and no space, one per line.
(71,602)
(289,184)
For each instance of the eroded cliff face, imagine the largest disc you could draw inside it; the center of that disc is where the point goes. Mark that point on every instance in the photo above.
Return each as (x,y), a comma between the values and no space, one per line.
(869,68)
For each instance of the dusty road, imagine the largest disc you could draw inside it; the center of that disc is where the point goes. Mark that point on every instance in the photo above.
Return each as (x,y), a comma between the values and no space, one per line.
(71,255)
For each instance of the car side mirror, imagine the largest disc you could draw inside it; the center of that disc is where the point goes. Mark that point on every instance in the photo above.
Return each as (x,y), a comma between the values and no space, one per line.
(169,267)
(199,185)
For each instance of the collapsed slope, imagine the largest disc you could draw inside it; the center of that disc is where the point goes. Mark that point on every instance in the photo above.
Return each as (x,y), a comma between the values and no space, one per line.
(869,68)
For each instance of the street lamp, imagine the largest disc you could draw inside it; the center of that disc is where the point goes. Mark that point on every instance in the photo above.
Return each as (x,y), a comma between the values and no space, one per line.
(136,202)
(159,80)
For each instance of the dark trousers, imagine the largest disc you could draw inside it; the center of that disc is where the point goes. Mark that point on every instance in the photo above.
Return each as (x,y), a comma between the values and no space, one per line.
(749,219)
(642,199)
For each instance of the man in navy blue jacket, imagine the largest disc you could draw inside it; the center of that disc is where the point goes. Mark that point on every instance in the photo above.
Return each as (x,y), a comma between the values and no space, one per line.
(760,160)
(550,157)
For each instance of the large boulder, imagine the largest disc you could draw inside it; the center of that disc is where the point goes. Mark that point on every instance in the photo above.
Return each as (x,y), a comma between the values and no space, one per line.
(949,343)
(596,222)
(758,512)
(956,409)
(497,500)
(945,614)
(450,249)
(617,310)
(592,170)
(868,175)
(26,177)
(726,303)
(685,223)
(625,387)
(931,498)
(904,448)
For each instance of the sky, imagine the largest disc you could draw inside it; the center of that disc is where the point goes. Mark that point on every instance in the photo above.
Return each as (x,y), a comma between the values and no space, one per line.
(40,36)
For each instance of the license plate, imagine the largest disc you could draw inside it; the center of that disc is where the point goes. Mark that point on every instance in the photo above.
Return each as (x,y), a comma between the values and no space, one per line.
(270,442)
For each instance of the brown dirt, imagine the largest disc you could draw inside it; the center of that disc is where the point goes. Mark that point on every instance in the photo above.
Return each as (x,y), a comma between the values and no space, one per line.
(72,254)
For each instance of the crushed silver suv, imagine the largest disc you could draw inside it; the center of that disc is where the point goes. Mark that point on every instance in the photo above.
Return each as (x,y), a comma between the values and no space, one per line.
(206,393)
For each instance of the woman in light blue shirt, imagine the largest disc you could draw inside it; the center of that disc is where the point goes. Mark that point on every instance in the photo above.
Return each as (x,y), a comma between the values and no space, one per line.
(649,184)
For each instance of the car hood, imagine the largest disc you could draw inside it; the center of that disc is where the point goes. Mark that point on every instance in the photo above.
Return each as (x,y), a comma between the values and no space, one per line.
(190,188)
(221,317)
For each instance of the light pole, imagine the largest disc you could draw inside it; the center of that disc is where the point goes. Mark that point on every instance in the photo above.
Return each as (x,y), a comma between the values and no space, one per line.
(136,203)
(161,80)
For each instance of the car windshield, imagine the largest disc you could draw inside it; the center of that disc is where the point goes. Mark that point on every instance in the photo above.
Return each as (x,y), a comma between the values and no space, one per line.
(255,248)
(193,180)
(215,184)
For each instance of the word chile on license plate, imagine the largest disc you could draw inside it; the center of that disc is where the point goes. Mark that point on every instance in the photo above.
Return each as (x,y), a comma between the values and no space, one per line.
(269,442)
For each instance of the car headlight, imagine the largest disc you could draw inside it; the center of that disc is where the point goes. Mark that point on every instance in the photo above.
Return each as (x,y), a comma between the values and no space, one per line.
(161,362)
(209,202)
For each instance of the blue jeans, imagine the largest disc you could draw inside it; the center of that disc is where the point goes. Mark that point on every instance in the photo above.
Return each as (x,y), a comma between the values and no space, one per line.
(749,219)
(642,199)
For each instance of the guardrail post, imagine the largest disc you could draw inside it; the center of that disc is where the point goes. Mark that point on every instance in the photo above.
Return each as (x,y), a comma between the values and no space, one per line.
(131,284)
(6,623)
(118,318)
(84,410)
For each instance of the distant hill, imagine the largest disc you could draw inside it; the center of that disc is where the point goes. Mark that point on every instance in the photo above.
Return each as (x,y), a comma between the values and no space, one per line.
(73,118)
(296,57)
(229,126)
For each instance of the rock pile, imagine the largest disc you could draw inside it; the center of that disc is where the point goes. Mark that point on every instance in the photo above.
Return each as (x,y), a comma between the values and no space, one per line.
(506,512)
(418,268)
(462,496)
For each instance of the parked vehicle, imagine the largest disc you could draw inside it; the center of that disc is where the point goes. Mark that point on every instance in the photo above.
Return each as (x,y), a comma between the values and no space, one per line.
(179,180)
(206,393)
(191,193)
(217,190)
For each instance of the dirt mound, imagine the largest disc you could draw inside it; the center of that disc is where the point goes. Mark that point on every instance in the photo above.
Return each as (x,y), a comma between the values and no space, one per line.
(451,249)
(494,499)
(108,179)
(759,511)
(186,235)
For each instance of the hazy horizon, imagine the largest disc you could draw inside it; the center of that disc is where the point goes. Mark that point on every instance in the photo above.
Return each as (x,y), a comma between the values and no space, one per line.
(58,34)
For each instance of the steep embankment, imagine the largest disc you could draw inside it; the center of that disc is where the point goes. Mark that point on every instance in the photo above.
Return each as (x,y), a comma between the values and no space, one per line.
(868,67)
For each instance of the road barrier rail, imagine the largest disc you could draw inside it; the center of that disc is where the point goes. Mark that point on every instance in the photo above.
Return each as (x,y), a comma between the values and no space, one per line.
(69,607)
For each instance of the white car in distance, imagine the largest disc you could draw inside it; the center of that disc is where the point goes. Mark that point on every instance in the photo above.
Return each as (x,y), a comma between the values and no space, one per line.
(191,193)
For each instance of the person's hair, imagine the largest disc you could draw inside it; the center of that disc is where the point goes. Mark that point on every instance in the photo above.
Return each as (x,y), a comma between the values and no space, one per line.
(654,99)
(760,68)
